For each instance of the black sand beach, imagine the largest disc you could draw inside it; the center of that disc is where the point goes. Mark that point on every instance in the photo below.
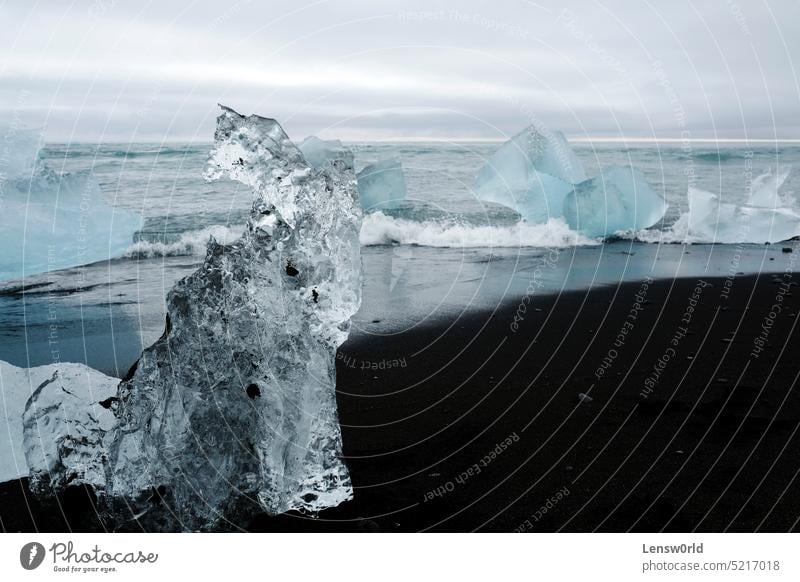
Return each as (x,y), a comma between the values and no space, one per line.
(690,423)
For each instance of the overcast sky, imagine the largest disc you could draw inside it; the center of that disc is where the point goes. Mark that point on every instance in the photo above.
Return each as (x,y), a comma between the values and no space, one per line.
(122,70)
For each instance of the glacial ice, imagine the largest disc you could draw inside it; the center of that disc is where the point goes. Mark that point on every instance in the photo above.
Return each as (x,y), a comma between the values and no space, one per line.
(317,152)
(19,153)
(233,409)
(537,174)
(382,185)
(765,189)
(53,444)
(616,201)
(50,221)
(531,173)
(66,421)
(766,217)
(16,386)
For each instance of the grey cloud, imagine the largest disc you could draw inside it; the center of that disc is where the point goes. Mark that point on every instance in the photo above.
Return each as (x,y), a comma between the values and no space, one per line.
(116,71)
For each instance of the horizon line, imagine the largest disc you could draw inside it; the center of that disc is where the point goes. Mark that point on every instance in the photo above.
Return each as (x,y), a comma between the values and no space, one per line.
(414,139)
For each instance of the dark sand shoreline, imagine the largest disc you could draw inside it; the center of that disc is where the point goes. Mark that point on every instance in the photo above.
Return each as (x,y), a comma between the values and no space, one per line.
(475,425)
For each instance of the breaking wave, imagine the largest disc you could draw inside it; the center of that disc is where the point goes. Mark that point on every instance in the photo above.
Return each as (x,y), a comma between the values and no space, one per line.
(192,242)
(380,229)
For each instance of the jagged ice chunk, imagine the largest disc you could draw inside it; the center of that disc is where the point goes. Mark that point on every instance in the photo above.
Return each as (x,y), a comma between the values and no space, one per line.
(233,409)
(618,200)
(317,152)
(531,173)
(766,218)
(74,392)
(382,185)
(50,221)
(66,422)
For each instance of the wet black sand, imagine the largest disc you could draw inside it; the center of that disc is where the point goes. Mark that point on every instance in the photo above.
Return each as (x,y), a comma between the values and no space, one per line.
(476,424)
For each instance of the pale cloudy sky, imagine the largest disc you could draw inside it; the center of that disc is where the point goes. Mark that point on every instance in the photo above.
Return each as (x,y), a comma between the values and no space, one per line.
(121,70)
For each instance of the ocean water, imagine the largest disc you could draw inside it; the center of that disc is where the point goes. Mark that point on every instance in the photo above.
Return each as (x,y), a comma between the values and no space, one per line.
(439,255)
(164,184)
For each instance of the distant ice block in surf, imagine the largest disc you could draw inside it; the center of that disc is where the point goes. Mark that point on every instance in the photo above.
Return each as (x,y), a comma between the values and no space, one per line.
(50,221)
(319,152)
(537,174)
(531,173)
(382,185)
(19,152)
(765,190)
(767,217)
(618,200)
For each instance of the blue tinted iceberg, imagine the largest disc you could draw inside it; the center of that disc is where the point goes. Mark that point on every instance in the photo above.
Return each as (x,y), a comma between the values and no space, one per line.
(531,173)
(318,152)
(766,217)
(382,185)
(50,221)
(765,190)
(618,200)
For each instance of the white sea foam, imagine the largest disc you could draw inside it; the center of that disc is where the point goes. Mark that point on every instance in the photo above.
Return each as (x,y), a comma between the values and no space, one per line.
(380,229)
(192,242)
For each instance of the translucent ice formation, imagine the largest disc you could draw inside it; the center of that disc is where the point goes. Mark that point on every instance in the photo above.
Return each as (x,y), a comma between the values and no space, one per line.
(382,185)
(531,173)
(537,174)
(66,422)
(50,221)
(765,190)
(19,152)
(233,409)
(318,152)
(767,216)
(16,387)
(618,200)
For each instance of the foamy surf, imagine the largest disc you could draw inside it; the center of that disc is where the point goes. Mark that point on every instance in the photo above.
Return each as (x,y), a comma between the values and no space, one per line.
(380,229)
(189,243)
